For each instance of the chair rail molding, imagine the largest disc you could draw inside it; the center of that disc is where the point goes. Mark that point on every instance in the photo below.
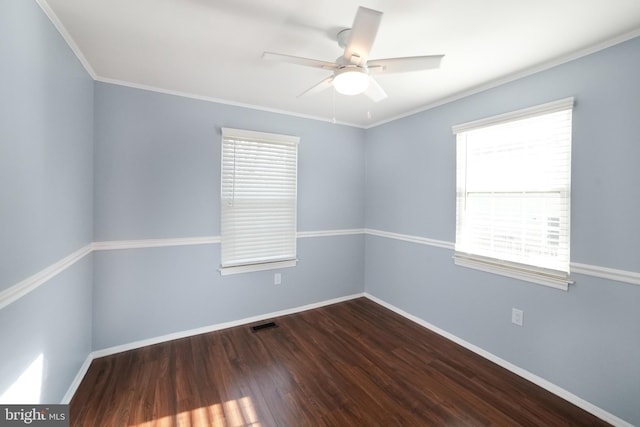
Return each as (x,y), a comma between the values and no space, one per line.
(24,287)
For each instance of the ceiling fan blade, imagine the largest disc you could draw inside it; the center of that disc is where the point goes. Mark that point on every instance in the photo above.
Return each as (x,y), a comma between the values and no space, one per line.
(319,87)
(375,91)
(363,34)
(404,65)
(299,60)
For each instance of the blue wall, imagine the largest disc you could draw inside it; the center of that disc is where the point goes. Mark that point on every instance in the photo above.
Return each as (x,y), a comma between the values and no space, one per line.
(146,293)
(158,176)
(158,165)
(587,340)
(46,186)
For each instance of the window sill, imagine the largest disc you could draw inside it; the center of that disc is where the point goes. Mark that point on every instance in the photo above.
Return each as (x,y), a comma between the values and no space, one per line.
(236,269)
(538,276)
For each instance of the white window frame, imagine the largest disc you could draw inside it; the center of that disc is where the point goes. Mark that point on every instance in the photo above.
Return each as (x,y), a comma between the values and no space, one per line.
(472,255)
(258,201)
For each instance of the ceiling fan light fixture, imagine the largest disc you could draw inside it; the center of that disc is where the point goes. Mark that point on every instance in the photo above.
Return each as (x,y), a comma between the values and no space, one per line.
(351,80)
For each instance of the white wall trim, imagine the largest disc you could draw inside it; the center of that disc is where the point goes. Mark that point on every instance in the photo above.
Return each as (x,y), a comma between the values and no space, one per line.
(220,101)
(48,11)
(205,240)
(547,385)
(154,243)
(524,113)
(27,285)
(66,399)
(606,273)
(22,288)
(330,233)
(409,238)
(515,76)
(217,327)
(624,276)
(67,37)
(184,334)
(463,94)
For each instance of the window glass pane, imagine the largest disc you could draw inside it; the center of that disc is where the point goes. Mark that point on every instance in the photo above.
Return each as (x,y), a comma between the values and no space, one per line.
(513,190)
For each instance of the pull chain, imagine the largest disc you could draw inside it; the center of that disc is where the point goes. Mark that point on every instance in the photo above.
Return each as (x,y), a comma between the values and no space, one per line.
(334,105)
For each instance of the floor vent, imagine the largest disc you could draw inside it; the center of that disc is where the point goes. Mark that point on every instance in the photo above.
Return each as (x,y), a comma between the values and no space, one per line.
(262,326)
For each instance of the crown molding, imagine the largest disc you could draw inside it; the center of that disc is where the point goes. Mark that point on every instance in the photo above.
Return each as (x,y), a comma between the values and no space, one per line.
(514,76)
(67,37)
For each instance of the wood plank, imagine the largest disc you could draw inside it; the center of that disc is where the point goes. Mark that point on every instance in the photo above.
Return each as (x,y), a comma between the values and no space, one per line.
(348,364)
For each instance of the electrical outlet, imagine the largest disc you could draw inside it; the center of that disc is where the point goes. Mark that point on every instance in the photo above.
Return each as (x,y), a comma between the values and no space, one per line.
(277,278)
(517,316)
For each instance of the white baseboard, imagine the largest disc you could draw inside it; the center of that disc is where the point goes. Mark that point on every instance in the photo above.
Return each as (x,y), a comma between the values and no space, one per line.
(183,334)
(211,328)
(558,391)
(66,399)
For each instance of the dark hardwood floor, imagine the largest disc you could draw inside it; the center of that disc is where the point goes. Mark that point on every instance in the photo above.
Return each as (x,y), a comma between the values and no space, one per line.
(349,364)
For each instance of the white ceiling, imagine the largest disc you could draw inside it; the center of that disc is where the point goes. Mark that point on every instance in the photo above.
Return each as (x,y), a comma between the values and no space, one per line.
(213,48)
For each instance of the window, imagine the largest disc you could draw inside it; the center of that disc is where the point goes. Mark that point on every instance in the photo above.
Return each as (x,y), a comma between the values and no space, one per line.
(258,201)
(513,193)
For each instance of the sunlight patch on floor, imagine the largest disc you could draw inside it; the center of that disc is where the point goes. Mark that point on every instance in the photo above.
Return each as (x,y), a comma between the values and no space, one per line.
(232,413)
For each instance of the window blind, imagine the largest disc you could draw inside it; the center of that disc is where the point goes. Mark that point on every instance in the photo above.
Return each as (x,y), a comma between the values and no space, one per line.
(258,200)
(513,193)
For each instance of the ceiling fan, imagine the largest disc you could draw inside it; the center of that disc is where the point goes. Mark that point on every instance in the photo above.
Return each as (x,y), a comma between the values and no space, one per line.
(353,71)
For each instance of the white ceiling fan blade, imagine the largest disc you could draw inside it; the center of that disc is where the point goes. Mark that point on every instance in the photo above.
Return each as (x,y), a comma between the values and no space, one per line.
(299,60)
(375,91)
(363,34)
(323,85)
(404,65)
